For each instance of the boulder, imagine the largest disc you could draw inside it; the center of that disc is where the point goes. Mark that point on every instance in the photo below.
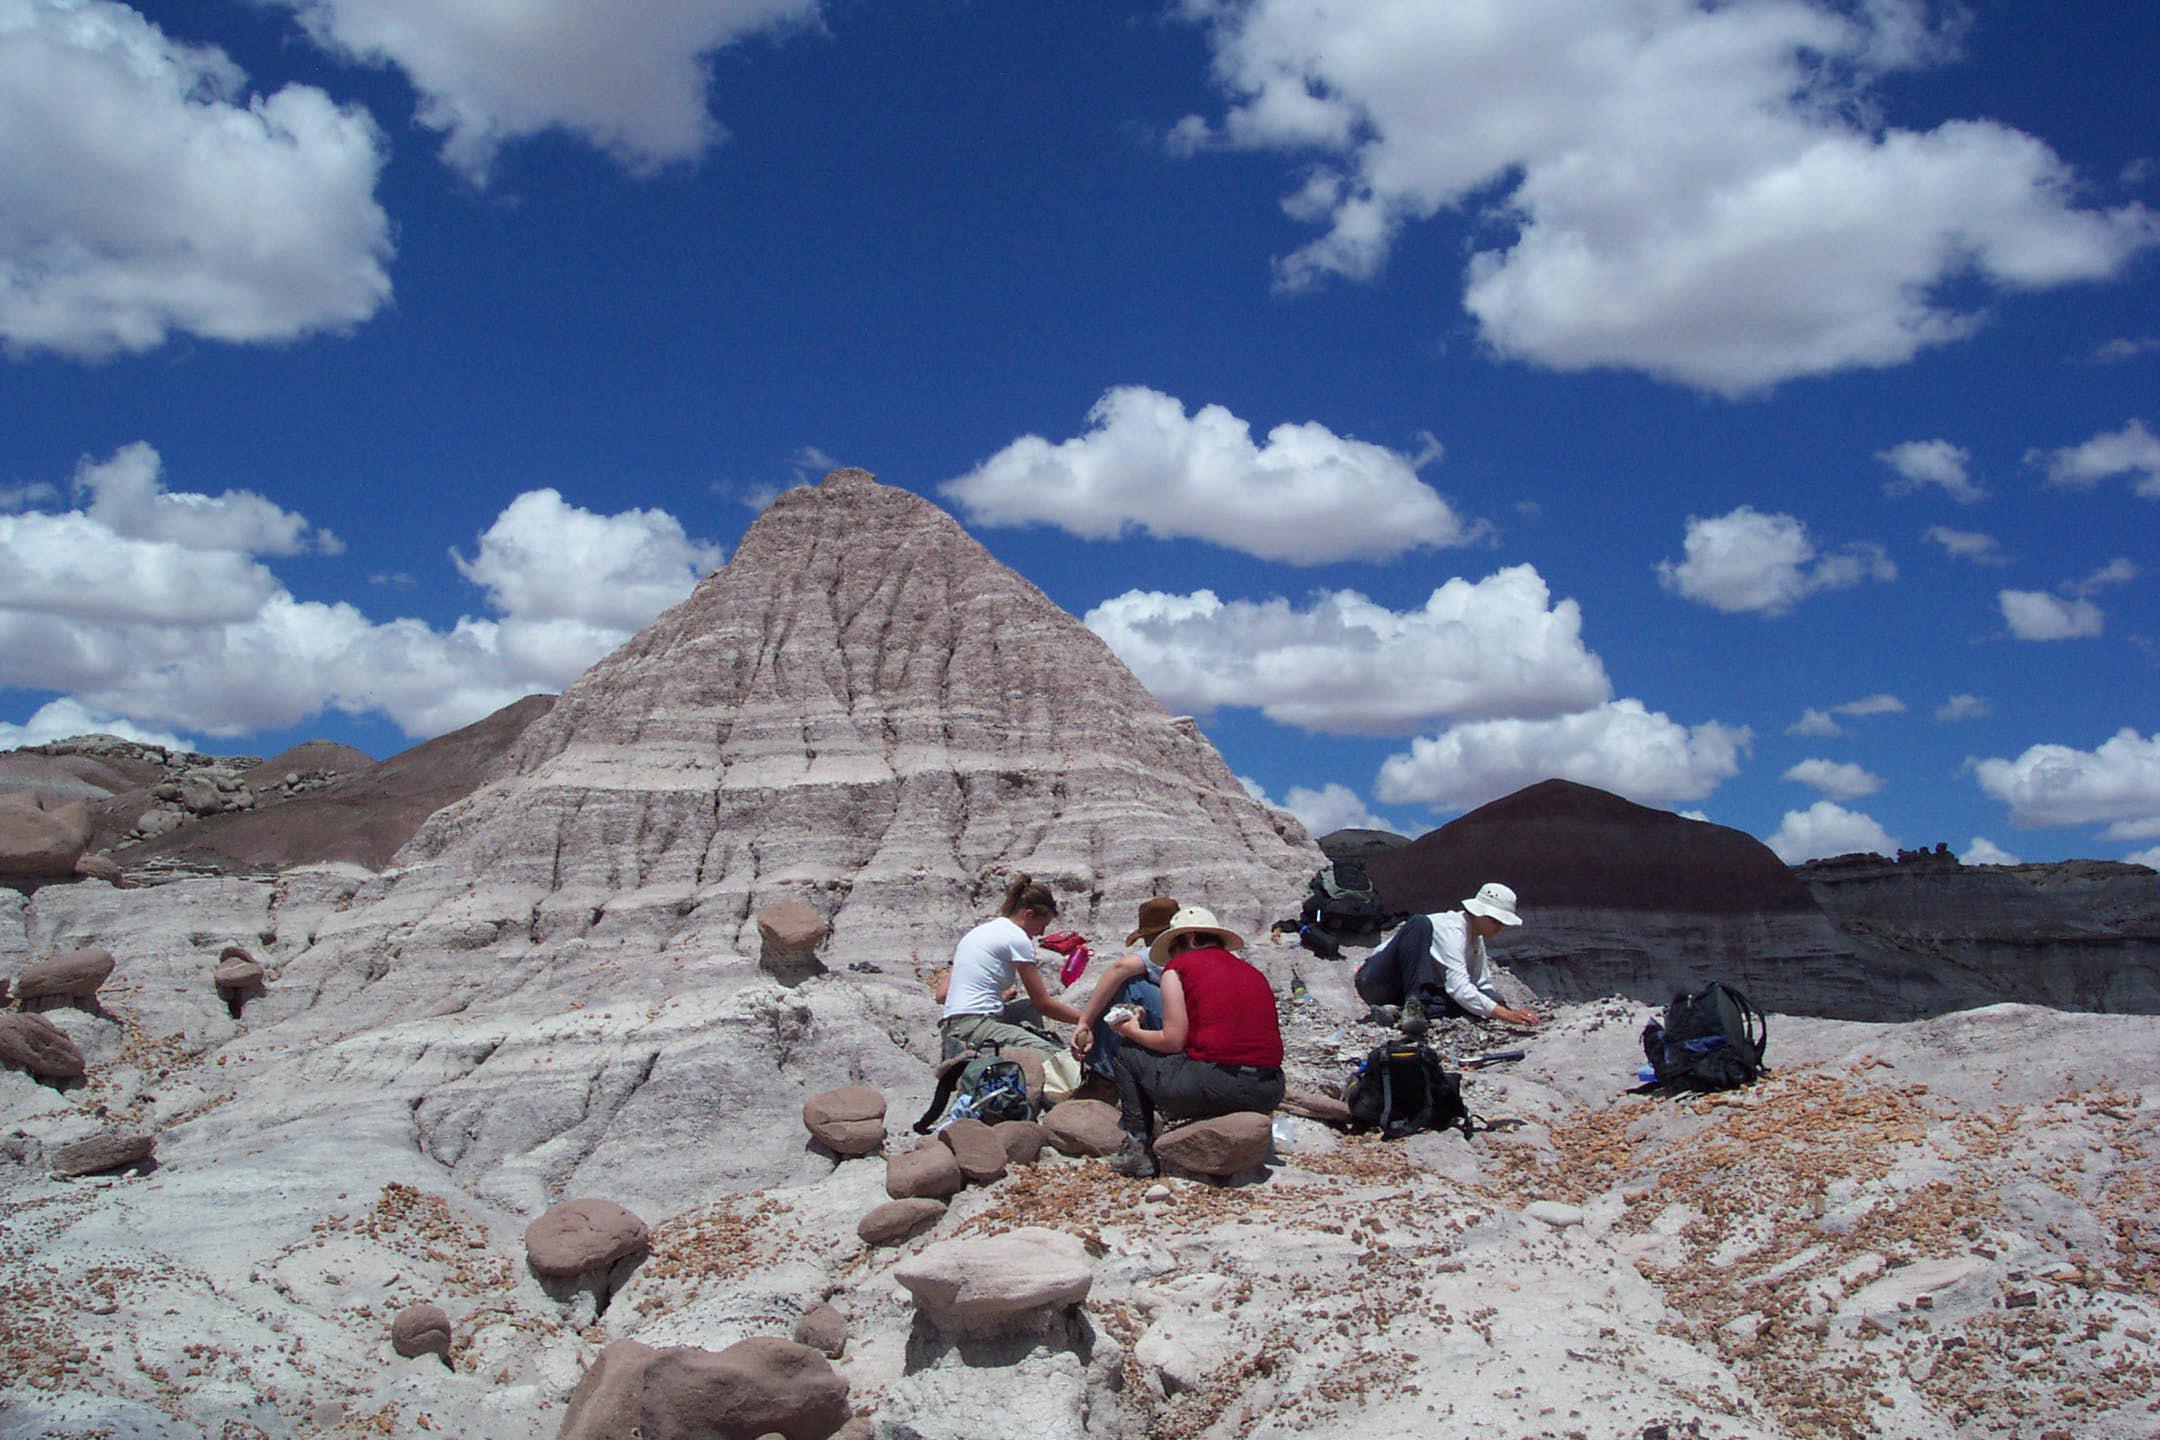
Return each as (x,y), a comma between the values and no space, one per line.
(1023,1140)
(824,1329)
(101,867)
(977,1148)
(927,1171)
(583,1237)
(1000,1283)
(756,1387)
(846,1121)
(1220,1147)
(34,1044)
(789,933)
(420,1330)
(1315,1106)
(897,1221)
(110,1150)
(1084,1127)
(72,975)
(41,838)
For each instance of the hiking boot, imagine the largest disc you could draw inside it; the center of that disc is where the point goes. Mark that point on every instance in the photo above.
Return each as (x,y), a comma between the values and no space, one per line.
(1133,1159)
(1413,1022)
(1384,1014)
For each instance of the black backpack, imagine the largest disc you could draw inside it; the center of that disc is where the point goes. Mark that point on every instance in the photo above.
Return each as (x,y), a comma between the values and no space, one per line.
(1711,1040)
(990,1089)
(1401,1088)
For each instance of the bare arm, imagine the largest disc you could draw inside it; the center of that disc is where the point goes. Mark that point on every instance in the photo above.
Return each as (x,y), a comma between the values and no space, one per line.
(1170,1040)
(1039,996)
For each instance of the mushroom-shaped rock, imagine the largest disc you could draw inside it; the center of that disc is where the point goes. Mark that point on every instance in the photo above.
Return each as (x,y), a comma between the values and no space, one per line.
(101,867)
(1084,1127)
(1023,1140)
(846,1121)
(35,1044)
(824,1329)
(756,1387)
(978,1149)
(110,1150)
(1220,1147)
(583,1237)
(789,933)
(72,976)
(41,838)
(897,1221)
(927,1171)
(420,1330)
(999,1283)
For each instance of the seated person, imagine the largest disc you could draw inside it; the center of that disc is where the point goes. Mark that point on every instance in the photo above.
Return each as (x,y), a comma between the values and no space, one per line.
(1218,1050)
(1131,980)
(1435,964)
(986,962)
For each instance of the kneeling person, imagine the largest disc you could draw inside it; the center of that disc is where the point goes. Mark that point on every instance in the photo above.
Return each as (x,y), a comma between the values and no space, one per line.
(1219,1049)
(1435,964)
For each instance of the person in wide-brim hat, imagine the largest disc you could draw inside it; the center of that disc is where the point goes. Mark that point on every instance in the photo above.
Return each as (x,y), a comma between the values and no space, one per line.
(1132,980)
(1436,965)
(1218,1050)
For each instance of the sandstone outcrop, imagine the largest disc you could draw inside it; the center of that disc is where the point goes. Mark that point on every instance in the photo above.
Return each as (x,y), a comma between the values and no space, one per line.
(754,1388)
(849,1120)
(420,1330)
(1009,1282)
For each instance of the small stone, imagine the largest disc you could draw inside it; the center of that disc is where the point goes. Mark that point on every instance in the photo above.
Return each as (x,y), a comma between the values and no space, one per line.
(1084,1127)
(420,1330)
(1553,1213)
(1156,1193)
(977,1148)
(2021,1299)
(824,1329)
(103,1153)
(897,1221)
(929,1171)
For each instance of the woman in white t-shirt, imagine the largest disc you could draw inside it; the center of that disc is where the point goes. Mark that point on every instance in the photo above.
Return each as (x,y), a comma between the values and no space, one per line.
(987,962)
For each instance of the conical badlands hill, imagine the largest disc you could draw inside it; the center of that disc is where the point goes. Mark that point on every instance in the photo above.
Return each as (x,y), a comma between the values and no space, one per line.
(865,712)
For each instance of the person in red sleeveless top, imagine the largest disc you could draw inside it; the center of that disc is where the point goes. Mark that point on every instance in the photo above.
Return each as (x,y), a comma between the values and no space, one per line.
(1219,1049)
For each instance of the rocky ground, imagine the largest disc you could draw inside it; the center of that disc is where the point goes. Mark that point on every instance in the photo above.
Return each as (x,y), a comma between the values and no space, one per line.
(1935,1229)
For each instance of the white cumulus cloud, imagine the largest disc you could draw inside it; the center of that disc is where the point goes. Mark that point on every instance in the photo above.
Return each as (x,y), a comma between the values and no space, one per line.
(156,633)
(1323,811)
(143,194)
(1306,496)
(1619,746)
(1697,191)
(630,79)
(1827,828)
(1497,646)
(2149,857)
(1749,561)
(128,498)
(2116,785)
(1931,462)
(2132,452)
(1974,545)
(2037,615)
(1964,707)
(1838,778)
(1982,851)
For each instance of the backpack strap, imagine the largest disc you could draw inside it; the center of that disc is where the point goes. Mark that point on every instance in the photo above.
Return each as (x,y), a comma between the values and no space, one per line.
(948,1080)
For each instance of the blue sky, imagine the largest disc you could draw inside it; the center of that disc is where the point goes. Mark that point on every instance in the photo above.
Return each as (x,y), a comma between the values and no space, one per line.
(1750,409)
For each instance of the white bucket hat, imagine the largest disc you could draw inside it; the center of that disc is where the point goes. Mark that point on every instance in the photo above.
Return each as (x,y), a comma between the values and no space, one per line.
(1193,920)
(1494,901)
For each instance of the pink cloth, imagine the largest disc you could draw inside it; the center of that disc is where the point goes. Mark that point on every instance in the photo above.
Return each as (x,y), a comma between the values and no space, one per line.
(1075,951)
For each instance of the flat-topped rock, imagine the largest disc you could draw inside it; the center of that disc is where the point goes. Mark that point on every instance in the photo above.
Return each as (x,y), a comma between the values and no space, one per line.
(897,1221)
(929,1171)
(583,1237)
(849,1120)
(70,975)
(997,1283)
(1084,1127)
(36,1045)
(791,925)
(1223,1146)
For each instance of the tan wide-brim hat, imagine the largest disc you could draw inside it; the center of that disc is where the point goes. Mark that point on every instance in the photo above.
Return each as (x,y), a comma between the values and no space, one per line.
(1193,920)
(1155,917)
(1495,902)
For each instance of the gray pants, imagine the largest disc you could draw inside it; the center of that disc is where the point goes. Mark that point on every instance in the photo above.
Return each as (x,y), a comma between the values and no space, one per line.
(1187,1089)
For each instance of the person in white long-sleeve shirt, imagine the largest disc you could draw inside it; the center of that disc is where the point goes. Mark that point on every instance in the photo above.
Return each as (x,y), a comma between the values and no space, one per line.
(1436,964)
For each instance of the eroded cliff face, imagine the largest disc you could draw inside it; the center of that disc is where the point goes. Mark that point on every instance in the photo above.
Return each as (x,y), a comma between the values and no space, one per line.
(864,712)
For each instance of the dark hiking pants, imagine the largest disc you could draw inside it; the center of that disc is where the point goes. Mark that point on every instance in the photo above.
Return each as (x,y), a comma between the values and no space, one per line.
(1405,967)
(1188,1089)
